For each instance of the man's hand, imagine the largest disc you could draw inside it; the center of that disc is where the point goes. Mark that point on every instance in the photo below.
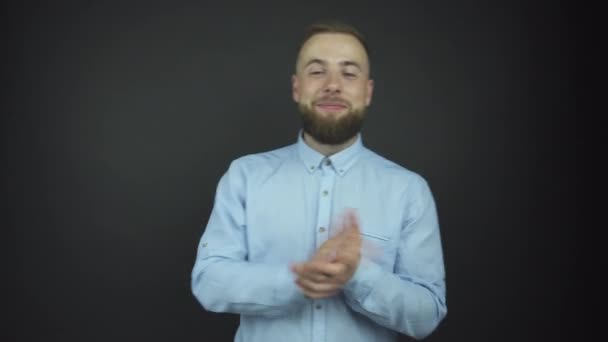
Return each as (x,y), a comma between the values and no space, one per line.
(333,264)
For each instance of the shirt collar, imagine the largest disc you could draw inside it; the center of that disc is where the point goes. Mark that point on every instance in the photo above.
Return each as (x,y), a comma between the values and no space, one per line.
(341,161)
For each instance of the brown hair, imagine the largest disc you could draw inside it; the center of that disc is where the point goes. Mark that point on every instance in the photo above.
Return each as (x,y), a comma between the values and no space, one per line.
(334,26)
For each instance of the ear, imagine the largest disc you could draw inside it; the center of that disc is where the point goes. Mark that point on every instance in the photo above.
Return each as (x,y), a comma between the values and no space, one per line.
(370,92)
(295,90)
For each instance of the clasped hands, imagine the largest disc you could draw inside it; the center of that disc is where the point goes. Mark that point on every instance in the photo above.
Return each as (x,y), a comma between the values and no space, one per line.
(333,264)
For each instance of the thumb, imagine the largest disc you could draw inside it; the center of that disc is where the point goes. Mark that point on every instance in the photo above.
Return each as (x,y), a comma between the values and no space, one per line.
(351,221)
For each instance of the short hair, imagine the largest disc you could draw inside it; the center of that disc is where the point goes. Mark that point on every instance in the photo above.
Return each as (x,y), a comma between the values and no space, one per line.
(334,26)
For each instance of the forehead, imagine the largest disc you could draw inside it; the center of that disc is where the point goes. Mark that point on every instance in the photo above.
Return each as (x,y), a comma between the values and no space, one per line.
(333,48)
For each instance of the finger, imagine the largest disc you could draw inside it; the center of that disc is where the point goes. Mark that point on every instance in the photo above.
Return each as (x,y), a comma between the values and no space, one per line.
(347,221)
(352,222)
(350,245)
(331,256)
(313,294)
(316,277)
(350,256)
(303,270)
(318,288)
(352,237)
(328,269)
(326,254)
(314,268)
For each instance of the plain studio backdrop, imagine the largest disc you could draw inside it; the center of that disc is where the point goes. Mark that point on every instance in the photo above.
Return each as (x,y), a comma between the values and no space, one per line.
(119,118)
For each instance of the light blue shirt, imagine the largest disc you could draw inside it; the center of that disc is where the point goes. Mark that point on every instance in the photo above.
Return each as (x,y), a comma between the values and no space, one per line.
(275,208)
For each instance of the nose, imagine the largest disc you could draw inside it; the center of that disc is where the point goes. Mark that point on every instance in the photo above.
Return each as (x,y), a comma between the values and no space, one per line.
(333,84)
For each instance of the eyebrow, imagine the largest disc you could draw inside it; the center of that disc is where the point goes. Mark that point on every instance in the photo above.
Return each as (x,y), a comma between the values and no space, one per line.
(324,63)
(351,63)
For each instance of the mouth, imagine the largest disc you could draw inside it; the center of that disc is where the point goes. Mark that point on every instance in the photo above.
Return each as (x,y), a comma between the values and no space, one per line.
(331,106)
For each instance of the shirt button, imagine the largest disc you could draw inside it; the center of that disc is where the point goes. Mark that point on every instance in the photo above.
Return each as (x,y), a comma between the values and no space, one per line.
(325,192)
(327,162)
(318,306)
(204,244)
(321,230)
(312,167)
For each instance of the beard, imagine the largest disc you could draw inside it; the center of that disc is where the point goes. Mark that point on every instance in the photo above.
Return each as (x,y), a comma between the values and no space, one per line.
(329,130)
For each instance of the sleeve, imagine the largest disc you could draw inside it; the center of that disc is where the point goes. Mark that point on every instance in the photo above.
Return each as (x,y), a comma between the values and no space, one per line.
(412,300)
(222,278)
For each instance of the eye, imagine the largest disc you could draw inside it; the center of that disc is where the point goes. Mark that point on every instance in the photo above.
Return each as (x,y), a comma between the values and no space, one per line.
(349,75)
(316,72)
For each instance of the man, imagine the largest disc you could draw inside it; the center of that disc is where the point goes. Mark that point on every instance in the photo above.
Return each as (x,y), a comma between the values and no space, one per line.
(324,240)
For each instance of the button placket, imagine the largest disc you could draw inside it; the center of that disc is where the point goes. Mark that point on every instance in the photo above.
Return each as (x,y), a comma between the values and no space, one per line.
(322,234)
(325,202)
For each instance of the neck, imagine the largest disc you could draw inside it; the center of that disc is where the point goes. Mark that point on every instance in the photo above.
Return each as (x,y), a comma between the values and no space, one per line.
(325,149)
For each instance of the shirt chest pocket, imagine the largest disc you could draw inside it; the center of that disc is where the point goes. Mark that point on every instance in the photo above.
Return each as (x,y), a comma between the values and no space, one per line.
(378,248)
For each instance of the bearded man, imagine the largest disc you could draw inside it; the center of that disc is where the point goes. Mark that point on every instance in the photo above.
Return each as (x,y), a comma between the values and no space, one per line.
(324,240)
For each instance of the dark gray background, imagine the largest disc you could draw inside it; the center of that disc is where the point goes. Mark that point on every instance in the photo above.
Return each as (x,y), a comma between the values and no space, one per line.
(119,118)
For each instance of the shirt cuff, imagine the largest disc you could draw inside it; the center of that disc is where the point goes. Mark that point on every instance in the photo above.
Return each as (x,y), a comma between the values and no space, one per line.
(286,291)
(363,280)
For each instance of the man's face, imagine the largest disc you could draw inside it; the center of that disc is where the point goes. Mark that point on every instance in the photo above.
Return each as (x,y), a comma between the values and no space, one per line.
(332,86)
